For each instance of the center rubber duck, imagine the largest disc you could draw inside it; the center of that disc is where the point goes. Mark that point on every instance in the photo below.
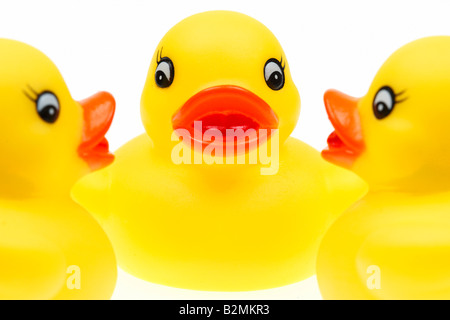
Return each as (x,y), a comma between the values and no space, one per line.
(184,217)
(50,247)
(395,242)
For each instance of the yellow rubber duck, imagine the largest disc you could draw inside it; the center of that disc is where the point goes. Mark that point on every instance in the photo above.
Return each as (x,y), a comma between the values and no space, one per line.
(218,226)
(50,248)
(395,242)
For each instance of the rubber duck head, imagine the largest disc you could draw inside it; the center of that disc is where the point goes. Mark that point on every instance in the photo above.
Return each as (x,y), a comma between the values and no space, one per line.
(48,140)
(224,70)
(397,135)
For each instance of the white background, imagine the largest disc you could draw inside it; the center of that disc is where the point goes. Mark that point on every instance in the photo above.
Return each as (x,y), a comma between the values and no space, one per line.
(107,45)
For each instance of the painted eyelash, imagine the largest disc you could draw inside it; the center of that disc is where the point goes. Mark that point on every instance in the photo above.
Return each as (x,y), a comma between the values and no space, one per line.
(281,63)
(159,55)
(29,96)
(401,100)
(399,94)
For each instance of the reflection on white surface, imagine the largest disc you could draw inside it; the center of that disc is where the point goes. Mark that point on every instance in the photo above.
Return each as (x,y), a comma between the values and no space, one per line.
(129,287)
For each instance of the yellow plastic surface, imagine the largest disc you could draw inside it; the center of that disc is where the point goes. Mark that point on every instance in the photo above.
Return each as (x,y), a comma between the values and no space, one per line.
(221,227)
(395,243)
(48,244)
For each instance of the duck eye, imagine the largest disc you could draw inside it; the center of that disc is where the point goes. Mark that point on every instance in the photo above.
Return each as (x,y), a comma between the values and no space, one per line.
(47,106)
(274,74)
(164,73)
(384,102)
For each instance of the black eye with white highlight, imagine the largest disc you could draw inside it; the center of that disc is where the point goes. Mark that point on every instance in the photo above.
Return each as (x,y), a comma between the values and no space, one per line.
(384,102)
(274,74)
(47,106)
(164,73)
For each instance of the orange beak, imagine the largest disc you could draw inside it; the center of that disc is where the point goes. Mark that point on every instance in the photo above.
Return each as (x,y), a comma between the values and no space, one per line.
(346,143)
(224,108)
(98,114)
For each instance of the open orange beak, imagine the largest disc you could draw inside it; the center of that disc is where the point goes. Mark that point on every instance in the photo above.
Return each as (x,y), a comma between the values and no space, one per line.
(227,110)
(346,143)
(98,114)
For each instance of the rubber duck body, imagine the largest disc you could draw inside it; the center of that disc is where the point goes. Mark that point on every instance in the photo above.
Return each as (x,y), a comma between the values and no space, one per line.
(394,243)
(50,247)
(216,224)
